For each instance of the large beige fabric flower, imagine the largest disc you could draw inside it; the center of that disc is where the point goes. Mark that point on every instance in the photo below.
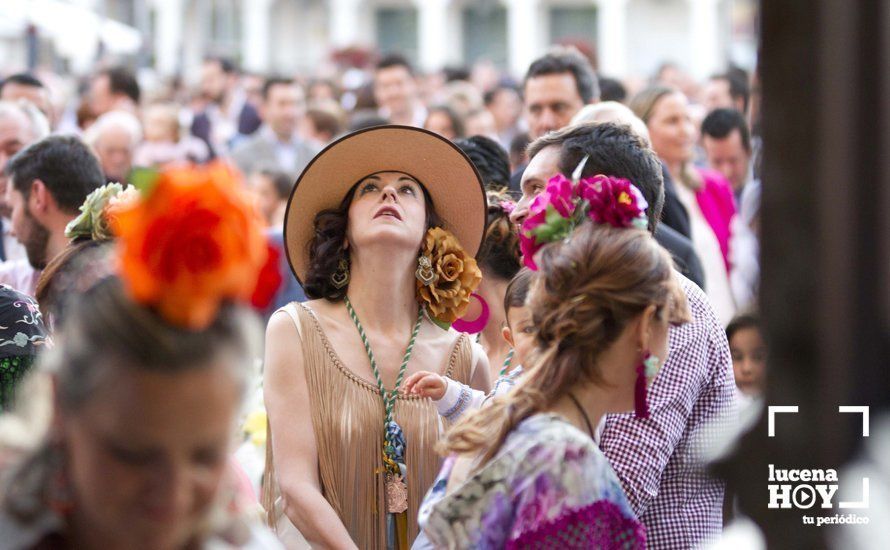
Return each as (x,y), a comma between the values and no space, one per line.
(458,276)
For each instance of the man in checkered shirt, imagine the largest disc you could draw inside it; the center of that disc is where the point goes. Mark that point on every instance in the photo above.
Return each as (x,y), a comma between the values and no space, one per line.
(659,460)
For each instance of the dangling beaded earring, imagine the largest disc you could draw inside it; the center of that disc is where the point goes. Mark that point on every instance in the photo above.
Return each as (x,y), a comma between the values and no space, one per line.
(646,369)
(340,278)
(425,272)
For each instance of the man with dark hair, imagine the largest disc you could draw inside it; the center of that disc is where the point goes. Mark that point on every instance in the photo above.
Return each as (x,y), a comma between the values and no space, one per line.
(659,461)
(612,89)
(395,91)
(228,117)
(114,89)
(726,91)
(25,86)
(625,155)
(555,88)
(727,144)
(50,180)
(276,144)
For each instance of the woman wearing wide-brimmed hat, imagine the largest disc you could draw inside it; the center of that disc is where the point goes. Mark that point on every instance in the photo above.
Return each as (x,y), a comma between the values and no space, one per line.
(381,230)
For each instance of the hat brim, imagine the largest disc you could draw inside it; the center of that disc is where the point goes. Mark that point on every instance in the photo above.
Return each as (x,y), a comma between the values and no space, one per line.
(450,178)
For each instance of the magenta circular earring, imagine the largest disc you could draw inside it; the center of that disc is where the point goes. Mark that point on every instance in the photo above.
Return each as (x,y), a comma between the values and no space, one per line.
(477,325)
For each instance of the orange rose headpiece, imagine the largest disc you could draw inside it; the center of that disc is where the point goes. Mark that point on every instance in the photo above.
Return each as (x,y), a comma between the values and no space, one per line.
(454,276)
(193,241)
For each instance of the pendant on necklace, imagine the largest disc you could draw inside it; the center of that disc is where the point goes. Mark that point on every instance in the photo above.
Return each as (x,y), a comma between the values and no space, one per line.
(396,493)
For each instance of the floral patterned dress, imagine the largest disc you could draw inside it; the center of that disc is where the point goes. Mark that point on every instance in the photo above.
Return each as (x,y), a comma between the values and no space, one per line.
(549,486)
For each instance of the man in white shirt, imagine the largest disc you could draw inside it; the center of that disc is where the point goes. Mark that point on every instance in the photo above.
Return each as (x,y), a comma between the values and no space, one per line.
(48,182)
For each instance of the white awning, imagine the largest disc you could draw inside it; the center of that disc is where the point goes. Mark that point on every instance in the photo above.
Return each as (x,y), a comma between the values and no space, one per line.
(74,29)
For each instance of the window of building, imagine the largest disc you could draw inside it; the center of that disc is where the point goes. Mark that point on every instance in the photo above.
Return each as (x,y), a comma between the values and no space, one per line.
(573,24)
(225,28)
(397,31)
(485,33)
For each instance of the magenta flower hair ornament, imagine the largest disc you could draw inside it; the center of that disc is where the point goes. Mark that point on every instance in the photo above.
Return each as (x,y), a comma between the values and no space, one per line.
(564,204)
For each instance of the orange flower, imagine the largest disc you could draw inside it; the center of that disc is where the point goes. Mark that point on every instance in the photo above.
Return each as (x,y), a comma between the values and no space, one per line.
(458,276)
(193,241)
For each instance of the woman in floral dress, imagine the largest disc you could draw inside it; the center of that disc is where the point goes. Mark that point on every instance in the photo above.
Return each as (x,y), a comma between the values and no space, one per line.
(524,472)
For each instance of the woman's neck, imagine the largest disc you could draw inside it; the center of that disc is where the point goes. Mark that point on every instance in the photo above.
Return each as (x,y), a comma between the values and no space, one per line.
(594,403)
(382,288)
(598,399)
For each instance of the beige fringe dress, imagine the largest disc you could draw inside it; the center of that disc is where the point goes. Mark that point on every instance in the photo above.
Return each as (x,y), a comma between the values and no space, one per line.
(347,419)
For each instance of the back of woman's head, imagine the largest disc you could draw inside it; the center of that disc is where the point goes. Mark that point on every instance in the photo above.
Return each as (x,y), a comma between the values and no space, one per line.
(499,255)
(109,332)
(76,268)
(589,288)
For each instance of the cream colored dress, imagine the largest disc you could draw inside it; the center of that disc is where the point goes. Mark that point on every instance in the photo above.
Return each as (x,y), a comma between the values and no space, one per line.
(347,419)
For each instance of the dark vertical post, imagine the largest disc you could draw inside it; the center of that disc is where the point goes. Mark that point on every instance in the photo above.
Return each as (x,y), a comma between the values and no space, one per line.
(825,299)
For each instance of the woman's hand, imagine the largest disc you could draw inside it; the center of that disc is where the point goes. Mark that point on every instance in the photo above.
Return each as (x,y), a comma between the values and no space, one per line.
(426,384)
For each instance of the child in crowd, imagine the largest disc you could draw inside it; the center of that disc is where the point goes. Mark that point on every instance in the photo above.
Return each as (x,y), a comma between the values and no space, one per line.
(272,189)
(453,398)
(748,354)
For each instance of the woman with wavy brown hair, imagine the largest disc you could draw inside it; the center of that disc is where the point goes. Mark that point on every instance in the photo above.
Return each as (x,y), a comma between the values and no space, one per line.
(381,229)
(525,469)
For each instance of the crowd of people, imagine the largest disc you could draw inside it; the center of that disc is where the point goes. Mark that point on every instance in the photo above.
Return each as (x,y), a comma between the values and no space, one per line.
(498,313)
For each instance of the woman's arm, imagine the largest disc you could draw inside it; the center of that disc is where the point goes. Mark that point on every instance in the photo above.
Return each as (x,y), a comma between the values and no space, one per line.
(294,449)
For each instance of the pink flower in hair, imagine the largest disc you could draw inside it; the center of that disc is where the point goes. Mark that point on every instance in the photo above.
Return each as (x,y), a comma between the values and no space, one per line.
(549,219)
(563,206)
(614,201)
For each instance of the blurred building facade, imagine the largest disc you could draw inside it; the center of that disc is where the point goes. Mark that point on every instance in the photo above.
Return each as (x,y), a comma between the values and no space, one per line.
(629,37)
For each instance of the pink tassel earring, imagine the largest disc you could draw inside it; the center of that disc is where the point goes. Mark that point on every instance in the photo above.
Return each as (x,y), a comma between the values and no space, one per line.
(646,369)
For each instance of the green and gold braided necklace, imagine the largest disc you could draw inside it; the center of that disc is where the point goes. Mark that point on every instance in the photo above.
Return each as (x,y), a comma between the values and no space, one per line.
(393,439)
(506,366)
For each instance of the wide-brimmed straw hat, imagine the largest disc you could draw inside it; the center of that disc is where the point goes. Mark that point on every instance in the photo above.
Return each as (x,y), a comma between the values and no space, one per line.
(448,175)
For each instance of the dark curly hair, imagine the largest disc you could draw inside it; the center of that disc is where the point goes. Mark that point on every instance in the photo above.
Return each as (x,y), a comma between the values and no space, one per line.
(326,247)
(490,159)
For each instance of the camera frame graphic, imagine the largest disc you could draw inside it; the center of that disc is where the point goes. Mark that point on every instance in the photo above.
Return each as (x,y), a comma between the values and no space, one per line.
(772,410)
